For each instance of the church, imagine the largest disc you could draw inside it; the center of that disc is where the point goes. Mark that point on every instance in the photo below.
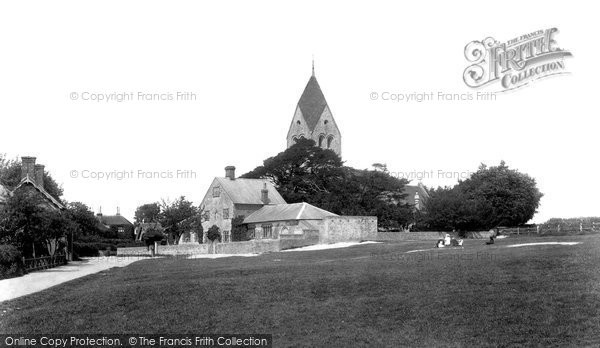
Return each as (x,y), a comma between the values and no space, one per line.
(314,120)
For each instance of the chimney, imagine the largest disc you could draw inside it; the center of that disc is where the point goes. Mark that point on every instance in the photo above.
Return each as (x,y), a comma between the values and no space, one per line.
(264,197)
(118,211)
(28,167)
(39,175)
(230,172)
(99,215)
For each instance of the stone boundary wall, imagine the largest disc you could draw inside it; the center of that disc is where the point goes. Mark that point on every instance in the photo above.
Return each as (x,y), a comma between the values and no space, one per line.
(250,247)
(299,240)
(412,236)
(348,228)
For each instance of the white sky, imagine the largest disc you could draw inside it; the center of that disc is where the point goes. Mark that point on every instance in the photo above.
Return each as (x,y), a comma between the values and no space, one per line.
(248,63)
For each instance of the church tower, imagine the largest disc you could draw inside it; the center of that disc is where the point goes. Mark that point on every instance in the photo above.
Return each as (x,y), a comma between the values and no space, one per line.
(313,119)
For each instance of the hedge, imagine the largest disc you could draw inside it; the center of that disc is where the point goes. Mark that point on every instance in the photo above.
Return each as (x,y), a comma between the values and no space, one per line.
(11,262)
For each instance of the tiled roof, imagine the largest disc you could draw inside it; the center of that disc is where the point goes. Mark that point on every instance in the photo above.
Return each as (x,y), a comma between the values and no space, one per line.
(248,191)
(114,220)
(281,212)
(27,181)
(312,103)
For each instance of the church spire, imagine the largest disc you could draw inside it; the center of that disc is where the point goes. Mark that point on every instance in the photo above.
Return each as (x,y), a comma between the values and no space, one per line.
(313,65)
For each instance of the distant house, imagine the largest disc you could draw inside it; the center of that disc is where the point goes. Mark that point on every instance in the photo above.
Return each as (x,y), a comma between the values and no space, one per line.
(118,224)
(230,197)
(283,220)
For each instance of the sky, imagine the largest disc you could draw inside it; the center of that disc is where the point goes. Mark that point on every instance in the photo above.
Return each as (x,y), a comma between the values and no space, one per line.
(203,85)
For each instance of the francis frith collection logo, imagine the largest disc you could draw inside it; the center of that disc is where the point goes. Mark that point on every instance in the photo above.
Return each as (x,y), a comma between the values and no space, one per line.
(516,62)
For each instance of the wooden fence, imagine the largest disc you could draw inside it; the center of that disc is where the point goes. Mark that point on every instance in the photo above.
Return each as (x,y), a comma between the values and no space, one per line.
(38,263)
(553,229)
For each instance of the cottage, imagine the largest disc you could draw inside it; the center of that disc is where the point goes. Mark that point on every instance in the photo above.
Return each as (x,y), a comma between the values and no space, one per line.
(286,221)
(230,197)
(32,178)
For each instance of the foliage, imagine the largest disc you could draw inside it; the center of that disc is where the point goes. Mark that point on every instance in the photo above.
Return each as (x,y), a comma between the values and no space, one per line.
(239,231)
(307,173)
(153,235)
(85,222)
(27,219)
(491,197)
(149,212)
(173,215)
(213,233)
(11,262)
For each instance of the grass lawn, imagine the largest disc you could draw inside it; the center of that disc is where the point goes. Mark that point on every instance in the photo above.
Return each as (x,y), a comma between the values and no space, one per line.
(369,295)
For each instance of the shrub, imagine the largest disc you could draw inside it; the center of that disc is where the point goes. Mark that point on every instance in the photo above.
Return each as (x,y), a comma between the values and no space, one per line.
(11,262)
(213,233)
(91,249)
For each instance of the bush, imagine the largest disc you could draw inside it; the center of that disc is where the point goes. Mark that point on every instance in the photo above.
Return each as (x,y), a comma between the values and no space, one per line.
(213,233)
(91,249)
(11,262)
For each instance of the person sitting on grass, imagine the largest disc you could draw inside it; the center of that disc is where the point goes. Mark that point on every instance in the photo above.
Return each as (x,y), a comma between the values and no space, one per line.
(456,242)
(491,241)
(440,243)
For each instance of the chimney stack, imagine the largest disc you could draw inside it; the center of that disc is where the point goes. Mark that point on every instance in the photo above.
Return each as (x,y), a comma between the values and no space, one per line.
(118,211)
(28,167)
(39,175)
(230,172)
(264,197)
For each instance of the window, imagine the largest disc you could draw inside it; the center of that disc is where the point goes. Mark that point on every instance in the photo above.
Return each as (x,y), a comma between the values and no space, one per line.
(216,191)
(226,213)
(321,139)
(216,215)
(329,141)
(121,230)
(267,231)
(206,216)
(252,232)
(226,236)
(298,122)
(326,121)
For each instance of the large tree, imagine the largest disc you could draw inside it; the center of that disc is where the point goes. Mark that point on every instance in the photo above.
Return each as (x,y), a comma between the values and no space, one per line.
(307,173)
(491,197)
(174,214)
(149,212)
(83,218)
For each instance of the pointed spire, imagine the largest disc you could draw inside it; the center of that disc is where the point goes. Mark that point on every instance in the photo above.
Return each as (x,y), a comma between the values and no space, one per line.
(313,65)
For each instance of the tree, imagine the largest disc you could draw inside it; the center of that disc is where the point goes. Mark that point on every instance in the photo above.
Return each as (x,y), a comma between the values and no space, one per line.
(151,237)
(213,233)
(239,231)
(84,220)
(27,220)
(173,213)
(307,173)
(149,212)
(491,197)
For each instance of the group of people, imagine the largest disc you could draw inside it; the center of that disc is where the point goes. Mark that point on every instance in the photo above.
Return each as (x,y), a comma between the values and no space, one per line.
(448,241)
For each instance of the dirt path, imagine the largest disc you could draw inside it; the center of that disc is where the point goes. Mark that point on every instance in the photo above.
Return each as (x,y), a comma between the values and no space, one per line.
(40,280)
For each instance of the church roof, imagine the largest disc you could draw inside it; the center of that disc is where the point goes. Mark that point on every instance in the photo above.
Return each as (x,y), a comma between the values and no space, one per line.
(283,212)
(312,103)
(248,191)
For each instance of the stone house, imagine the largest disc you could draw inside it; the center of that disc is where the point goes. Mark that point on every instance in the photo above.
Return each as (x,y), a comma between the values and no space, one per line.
(314,120)
(230,197)
(298,220)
